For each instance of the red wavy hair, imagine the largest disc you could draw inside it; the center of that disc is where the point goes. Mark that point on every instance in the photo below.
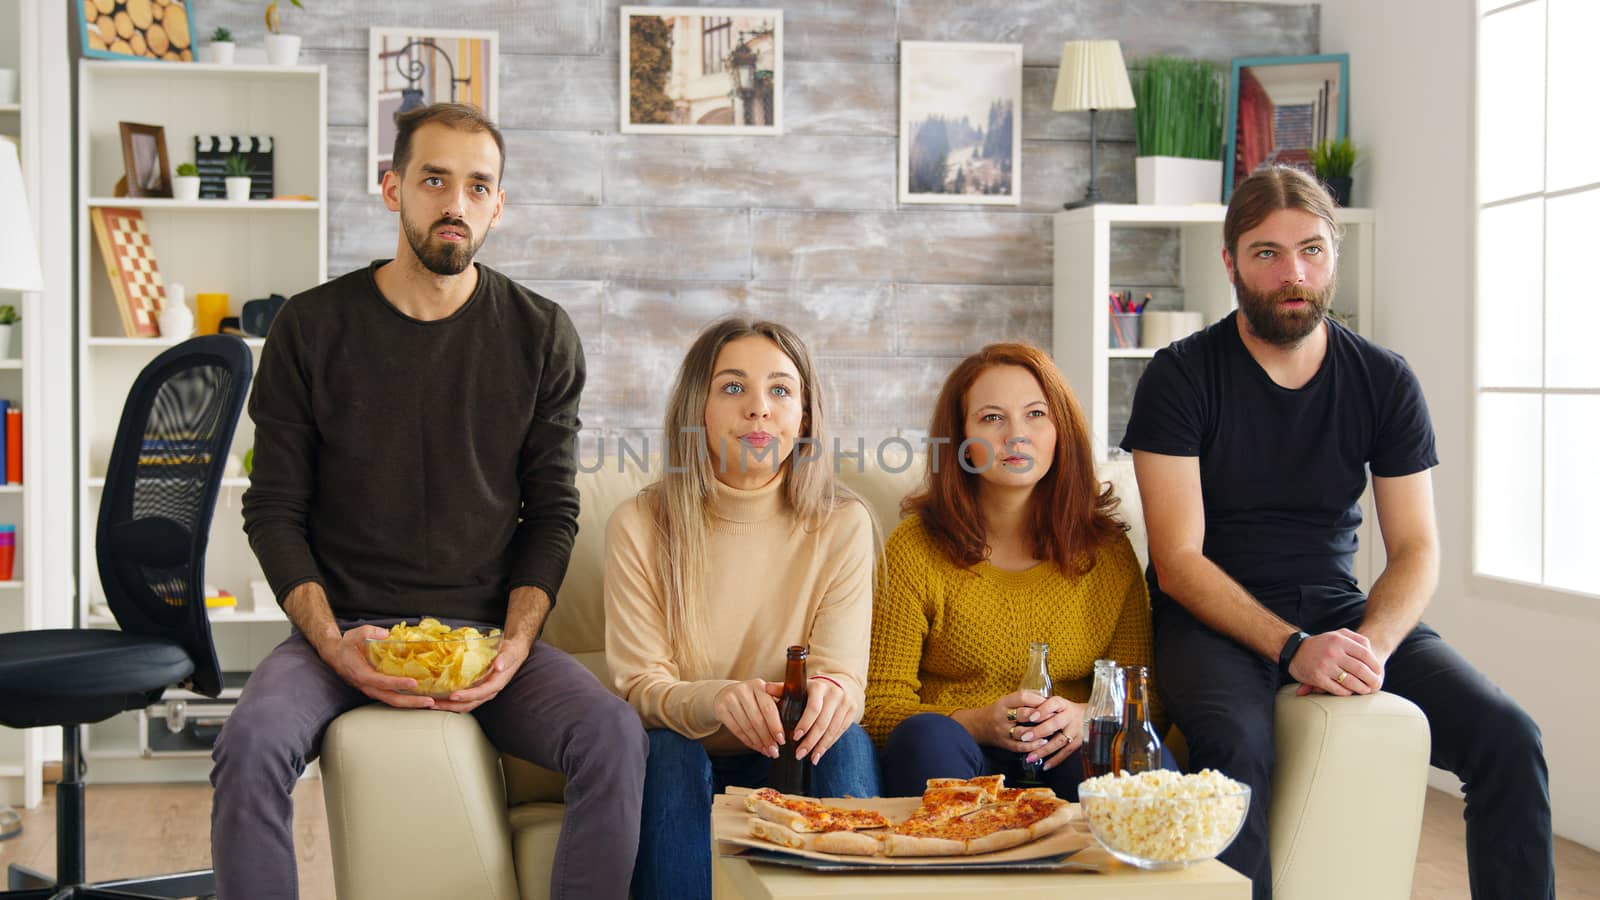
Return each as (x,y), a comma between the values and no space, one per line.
(1070,510)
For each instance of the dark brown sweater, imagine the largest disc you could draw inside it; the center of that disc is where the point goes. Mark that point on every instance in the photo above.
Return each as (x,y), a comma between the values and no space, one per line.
(416,468)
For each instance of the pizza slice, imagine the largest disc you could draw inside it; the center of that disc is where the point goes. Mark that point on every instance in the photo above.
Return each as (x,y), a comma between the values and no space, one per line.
(992,785)
(1012,795)
(805,815)
(843,843)
(941,804)
(986,830)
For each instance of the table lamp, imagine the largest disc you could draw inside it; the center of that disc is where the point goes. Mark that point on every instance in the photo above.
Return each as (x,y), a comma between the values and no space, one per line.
(19,271)
(19,258)
(1092,77)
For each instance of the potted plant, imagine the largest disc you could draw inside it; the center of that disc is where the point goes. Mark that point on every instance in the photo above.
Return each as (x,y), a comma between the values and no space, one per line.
(1178,122)
(1333,161)
(237,170)
(222,47)
(8,318)
(186,184)
(282,49)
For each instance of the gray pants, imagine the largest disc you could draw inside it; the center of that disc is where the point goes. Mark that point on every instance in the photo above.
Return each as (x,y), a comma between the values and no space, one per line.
(553,713)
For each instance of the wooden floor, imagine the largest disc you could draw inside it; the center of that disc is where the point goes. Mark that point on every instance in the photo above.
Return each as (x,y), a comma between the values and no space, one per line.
(145,829)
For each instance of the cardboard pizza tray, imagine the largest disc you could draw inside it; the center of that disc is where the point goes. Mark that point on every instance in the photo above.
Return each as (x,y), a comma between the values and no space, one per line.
(730,823)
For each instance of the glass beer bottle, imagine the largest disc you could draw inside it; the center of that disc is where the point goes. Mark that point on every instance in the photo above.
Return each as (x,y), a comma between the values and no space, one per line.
(1102,720)
(791,775)
(1035,679)
(1137,747)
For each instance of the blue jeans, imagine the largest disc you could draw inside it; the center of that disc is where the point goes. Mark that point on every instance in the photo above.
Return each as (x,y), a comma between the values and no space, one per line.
(680,778)
(929,745)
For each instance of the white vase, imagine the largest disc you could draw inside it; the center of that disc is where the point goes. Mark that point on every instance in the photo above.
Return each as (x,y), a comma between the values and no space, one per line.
(1171,181)
(175,320)
(238,188)
(5,343)
(186,187)
(283,49)
(222,52)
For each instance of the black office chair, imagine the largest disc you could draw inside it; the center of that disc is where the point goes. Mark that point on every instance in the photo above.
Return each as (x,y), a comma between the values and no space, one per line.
(155,520)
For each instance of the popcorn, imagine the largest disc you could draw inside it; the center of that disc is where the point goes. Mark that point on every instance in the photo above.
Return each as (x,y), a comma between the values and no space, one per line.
(1164,817)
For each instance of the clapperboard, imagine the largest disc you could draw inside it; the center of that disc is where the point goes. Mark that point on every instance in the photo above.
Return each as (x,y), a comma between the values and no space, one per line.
(211,154)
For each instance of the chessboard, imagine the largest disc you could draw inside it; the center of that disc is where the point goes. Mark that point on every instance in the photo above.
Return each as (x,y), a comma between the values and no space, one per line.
(131,265)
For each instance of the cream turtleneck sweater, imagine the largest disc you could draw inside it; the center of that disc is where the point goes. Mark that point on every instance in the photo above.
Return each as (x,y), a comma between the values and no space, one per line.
(771,585)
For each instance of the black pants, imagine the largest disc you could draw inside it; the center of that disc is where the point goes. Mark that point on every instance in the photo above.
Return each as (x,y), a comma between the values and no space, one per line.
(1221,697)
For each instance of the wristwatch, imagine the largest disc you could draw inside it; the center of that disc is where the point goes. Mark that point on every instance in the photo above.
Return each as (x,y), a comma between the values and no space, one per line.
(1290,647)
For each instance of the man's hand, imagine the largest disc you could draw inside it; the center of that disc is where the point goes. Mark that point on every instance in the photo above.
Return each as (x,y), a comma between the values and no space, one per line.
(509,658)
(749,710)
(348,658)
(1340,663)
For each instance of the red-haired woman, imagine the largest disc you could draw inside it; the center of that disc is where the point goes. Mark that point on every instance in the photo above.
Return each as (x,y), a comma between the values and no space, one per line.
(1010,541)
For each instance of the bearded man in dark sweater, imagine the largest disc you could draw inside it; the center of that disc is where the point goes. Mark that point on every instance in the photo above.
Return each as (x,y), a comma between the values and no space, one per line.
(416,425)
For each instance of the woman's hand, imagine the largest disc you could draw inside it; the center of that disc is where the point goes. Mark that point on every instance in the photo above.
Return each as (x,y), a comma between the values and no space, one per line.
(1058,722)
(749,709)
(829,711)
(1001,723)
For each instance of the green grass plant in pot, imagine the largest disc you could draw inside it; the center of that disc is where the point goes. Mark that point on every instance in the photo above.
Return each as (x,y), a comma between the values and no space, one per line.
(236,171)
(8,318)
(1178,124)
(186,184)
(1333,162)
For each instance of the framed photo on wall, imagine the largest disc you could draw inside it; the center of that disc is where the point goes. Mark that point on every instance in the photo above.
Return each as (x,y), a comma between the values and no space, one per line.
(144,160)
(412,67)
(1279,107)
(960,123)
(701,70)
(137,29)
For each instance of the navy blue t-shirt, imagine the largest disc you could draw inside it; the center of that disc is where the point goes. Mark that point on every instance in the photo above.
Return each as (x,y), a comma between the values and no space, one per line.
(1282,471)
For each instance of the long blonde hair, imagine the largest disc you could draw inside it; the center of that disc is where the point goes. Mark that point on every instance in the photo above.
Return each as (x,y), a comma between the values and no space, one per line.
(680,501)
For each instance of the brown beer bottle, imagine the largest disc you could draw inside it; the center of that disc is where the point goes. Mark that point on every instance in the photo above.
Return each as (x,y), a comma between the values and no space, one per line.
(791,775)
(1137,747)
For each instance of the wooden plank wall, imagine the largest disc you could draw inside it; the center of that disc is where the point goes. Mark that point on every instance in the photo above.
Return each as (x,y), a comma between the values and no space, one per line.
(645,238)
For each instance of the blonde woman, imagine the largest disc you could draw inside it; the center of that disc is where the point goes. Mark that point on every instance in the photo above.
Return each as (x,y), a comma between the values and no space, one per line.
(742,548)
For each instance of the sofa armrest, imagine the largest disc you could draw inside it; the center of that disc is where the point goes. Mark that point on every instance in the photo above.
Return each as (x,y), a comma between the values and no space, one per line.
(1347,795)
(404,786)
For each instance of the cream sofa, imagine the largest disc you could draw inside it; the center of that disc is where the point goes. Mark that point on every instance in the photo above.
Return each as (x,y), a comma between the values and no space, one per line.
(420,806)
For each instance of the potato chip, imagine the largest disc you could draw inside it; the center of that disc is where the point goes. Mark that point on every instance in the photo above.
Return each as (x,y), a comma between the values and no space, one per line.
(441,659)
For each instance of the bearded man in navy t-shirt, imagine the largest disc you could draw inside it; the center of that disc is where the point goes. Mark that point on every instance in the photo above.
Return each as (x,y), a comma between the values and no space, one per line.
(1251,441)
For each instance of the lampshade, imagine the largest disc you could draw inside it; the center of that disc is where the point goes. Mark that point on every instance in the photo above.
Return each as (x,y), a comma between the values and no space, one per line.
(1092,76)
(19,260)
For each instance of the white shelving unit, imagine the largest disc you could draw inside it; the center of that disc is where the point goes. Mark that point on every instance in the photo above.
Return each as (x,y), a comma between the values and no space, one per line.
(21,603)
(1082,319)
(245,249)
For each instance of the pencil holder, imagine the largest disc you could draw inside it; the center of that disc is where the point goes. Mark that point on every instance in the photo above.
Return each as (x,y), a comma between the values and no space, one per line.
(1124,330)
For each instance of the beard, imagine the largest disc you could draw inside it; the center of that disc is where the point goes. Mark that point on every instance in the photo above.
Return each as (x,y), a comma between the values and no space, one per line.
(439,256)
(1270,321)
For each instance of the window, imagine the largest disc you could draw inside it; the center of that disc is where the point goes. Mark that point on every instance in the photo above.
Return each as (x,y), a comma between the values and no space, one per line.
(716,42)
(1538,315)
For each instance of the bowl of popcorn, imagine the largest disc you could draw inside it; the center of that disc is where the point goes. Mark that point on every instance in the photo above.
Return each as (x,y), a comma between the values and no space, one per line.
(1163,819)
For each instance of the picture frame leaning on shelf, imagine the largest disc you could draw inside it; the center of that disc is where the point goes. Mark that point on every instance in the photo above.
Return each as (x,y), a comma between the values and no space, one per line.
(144,161)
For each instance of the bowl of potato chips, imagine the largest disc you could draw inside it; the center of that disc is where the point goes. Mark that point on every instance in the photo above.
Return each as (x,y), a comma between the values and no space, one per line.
(441,659)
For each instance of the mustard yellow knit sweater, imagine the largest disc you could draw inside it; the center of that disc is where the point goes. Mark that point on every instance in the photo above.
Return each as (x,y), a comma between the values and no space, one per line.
(946,638)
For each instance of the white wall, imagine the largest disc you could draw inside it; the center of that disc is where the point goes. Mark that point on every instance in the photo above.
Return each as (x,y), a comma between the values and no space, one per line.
(1411,96)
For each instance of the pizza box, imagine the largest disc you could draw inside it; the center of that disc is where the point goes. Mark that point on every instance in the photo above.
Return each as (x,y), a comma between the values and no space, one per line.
(730,823)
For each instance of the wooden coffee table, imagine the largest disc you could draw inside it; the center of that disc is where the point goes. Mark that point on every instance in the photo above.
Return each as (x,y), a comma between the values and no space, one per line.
(737,879)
